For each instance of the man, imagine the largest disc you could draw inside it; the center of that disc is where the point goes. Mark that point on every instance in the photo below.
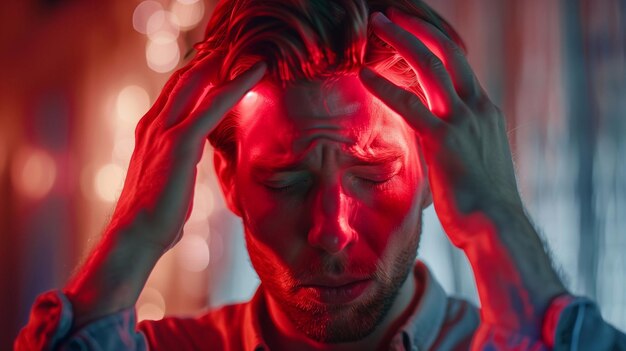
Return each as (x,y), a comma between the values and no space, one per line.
(353,125)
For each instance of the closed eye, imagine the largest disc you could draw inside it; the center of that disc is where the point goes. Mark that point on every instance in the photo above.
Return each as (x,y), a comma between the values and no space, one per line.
(376,173)
(378,181)
(287,181)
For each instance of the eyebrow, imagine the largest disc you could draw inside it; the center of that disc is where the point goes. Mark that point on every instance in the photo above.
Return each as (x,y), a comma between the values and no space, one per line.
(376,157)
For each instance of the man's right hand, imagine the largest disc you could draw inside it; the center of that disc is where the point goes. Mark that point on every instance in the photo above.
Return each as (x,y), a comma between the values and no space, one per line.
(157,193)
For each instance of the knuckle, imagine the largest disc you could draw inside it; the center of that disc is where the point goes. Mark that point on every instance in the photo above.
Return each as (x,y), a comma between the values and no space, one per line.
(434,63)
(452,49)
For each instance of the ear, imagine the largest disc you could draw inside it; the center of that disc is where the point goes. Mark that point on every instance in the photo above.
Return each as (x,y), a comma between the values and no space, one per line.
(427,197)
(225,169)
(427,194)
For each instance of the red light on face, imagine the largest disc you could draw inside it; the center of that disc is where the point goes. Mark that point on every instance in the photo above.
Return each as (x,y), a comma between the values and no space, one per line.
(249,99)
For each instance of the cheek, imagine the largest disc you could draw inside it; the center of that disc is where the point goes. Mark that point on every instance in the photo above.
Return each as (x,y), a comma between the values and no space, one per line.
(388,215)
(273,224)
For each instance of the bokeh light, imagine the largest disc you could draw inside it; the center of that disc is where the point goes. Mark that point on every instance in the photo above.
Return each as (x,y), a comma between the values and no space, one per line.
(132,102)
(188,13)
(149,311)
(163,23)
(193,252)
(162,54)
(34,172)
(151,304)
(108,182)
(143,12)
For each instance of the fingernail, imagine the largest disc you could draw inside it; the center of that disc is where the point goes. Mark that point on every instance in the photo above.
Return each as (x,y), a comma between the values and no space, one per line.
(380,18)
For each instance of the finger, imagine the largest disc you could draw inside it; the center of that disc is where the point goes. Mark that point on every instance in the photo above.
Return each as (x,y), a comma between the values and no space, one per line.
(403,102)
(430,71)
(191,86)
(214,106)
(447,51)
(160,102)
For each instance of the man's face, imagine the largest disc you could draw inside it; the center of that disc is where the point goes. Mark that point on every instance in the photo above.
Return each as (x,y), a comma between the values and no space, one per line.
(330,186)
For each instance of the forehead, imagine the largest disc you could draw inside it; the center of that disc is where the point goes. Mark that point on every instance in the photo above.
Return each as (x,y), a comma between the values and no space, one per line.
(290,120)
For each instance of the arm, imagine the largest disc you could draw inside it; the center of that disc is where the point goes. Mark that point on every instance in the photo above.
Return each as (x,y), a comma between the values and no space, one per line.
(472,180)
(155,201)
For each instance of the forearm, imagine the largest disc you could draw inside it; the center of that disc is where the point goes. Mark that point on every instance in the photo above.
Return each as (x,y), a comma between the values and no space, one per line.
(112,278)
(515,278)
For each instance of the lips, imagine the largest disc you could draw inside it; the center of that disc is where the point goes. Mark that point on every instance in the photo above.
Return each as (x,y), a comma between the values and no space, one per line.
(335,291)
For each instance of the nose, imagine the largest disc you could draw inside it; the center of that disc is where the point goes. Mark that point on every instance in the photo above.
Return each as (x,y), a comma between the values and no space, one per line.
(331,230)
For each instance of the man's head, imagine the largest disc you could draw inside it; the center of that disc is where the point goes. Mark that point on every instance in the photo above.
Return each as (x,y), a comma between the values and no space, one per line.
(329,182)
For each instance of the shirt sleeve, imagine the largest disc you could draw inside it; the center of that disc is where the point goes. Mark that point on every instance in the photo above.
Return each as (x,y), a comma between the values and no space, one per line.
(50,328)
(581,327)
(570,324)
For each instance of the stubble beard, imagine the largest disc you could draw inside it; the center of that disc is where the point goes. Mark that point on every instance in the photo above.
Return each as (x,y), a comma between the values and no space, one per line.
(340,323)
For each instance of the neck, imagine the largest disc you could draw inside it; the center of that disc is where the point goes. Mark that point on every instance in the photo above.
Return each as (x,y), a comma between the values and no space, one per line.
(281,334)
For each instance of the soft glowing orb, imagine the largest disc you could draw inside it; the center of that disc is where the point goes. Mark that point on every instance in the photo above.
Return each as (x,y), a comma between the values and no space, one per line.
(162,54)
(150,311)
(153,296)
(189,14)
(142,14)
(34,172)
(132,102)
(108,182)
(163,22)
(193,253)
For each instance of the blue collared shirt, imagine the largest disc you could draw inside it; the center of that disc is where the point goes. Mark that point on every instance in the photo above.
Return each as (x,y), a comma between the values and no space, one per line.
(438,322)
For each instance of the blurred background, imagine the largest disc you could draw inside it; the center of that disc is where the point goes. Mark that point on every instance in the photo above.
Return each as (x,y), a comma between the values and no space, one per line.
(77,76)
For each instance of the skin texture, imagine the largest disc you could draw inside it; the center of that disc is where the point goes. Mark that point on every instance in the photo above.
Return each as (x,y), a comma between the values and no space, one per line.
(463,137)
(157,193)
(326,218)
(334,192)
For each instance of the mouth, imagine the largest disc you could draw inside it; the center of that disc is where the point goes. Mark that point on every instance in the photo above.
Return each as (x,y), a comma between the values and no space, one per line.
(335,293)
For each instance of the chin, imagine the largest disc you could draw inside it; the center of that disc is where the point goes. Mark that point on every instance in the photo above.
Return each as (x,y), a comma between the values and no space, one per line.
(340,323)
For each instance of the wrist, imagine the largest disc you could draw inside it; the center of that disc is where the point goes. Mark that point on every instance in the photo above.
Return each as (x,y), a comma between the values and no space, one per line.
(514,275)
(113,277)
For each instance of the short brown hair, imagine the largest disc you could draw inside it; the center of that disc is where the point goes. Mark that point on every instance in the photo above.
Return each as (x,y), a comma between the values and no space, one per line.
(305,40)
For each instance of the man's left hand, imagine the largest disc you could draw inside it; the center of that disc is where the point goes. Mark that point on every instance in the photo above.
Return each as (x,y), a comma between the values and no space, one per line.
(471,174)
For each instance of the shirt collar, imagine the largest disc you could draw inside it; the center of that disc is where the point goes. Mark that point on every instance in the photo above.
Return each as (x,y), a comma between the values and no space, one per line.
(420,330)
(252,336)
